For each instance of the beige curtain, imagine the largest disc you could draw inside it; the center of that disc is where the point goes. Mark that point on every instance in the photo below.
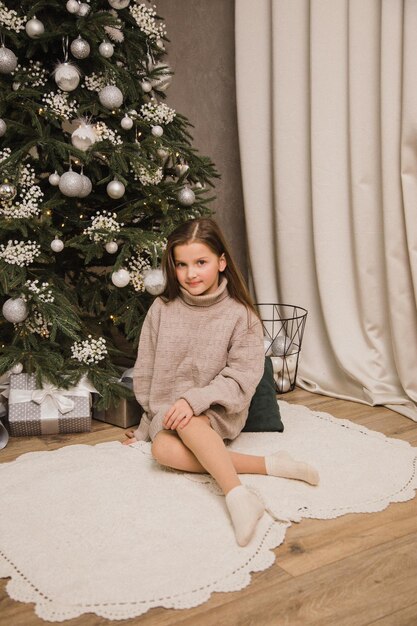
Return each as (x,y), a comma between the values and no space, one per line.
(327,113)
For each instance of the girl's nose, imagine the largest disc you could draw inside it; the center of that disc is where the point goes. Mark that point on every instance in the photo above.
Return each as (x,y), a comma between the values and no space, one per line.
(191,273)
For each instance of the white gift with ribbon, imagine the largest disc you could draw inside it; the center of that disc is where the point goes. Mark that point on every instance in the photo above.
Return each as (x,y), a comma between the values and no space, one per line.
(4,392)
(53,401)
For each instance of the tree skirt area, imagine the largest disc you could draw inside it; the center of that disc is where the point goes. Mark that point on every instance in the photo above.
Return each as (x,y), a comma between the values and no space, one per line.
(104,529)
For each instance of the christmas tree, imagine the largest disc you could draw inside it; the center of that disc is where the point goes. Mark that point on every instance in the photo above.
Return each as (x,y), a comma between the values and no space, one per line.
(95,171)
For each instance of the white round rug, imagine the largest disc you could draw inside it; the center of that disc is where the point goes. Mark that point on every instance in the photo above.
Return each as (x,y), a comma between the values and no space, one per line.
(104,529)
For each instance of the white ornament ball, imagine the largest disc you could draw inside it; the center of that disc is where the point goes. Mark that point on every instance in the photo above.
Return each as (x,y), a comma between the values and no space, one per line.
(70,184)
(121,278)
(154,282)
(80,48)
(119,4)
(126,122)
(186,196)
(290,364)
(157,131)
(87,186)
(111,97)
(15,310)
(3,127)
(84,9)
(115,189)
(8,61)
(67,77)
(83,137)
(283,384)
(73,6)
(106,49)
(277,364)
(54,179)
(17,368)
(281,345)
(57,245)
(34,28)
(146,86)
(111,247)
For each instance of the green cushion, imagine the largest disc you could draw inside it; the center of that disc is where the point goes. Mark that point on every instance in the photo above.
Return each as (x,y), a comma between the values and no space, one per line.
(264,415)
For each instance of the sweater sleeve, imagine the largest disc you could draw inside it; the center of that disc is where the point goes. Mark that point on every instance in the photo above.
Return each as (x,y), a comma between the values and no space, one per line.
(234,386)
(144,365)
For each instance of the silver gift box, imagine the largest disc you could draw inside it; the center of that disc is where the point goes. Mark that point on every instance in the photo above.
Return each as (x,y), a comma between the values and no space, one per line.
(127,413)
(25,418)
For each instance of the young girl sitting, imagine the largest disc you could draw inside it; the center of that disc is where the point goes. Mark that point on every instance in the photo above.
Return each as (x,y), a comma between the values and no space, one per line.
(200,359)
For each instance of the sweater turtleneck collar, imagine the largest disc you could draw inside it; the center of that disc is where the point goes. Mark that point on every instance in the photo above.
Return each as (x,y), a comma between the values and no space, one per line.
(206,300)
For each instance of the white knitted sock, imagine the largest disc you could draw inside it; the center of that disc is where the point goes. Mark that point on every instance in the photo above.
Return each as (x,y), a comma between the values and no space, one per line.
(245,510)
(282,464)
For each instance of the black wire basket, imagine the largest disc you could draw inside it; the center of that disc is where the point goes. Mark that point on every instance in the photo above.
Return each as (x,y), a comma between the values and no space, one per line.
(283,334)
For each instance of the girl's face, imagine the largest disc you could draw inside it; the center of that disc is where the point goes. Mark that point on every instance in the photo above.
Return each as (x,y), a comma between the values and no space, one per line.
(197,268)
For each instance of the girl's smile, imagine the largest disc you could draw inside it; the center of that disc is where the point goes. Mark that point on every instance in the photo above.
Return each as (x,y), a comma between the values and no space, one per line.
(197,268)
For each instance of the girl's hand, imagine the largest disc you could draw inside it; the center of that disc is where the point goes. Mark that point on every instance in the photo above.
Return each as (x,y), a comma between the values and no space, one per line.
(178,415)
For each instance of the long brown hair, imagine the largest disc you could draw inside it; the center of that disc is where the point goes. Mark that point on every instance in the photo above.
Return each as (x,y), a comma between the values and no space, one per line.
(204,230)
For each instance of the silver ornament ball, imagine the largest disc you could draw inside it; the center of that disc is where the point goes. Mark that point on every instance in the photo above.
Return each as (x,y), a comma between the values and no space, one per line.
(126,122)
(111,247)
(119,4)
(87,186)
(57,245)
(281,346)
(70,184)
(17,368)
(186,196)
(15,310)
(80,48)
(111,97)
(115,189)
(73,6)
(7,191)
(84,9)
(106,49)
(121,278)
(34,28)
(282,383)
(8,61)
(3,127)
(154,282)
(67,77)
(54,179)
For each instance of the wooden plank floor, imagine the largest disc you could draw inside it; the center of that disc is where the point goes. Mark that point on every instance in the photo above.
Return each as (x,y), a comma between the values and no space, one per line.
(356,570)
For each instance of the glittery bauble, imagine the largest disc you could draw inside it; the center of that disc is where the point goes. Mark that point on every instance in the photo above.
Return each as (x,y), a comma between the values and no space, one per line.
(186,196)
(157,131)
(154,282)
(119,4)
(281,345)
(106,49)
(3,127)
(115,189)
(83,137)
(126,122)
(282,384)
(54,179)
(17,368)
(67,77)
(111,97)
(146,86)
(73,6)
(7,191)
(15,310)
(70,184)
(83,10)
(34,28)
(80,48)
(8,61)
(57,245)
(120,278)
(87,186)
(163,80)
(111,247)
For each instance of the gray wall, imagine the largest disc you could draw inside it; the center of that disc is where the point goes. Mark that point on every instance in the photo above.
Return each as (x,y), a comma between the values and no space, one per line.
(201,53)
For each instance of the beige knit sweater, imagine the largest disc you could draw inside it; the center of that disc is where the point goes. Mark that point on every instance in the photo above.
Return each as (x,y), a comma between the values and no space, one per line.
(207,349)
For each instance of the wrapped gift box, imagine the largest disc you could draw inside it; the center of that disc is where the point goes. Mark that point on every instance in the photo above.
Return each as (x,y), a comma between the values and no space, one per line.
(127,412)
(48,410)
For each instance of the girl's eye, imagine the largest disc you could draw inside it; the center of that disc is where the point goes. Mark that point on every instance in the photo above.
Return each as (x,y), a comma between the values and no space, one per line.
(179,264)
(201,262)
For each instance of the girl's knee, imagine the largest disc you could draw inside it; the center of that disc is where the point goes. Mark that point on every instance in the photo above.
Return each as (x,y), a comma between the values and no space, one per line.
(161,446)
